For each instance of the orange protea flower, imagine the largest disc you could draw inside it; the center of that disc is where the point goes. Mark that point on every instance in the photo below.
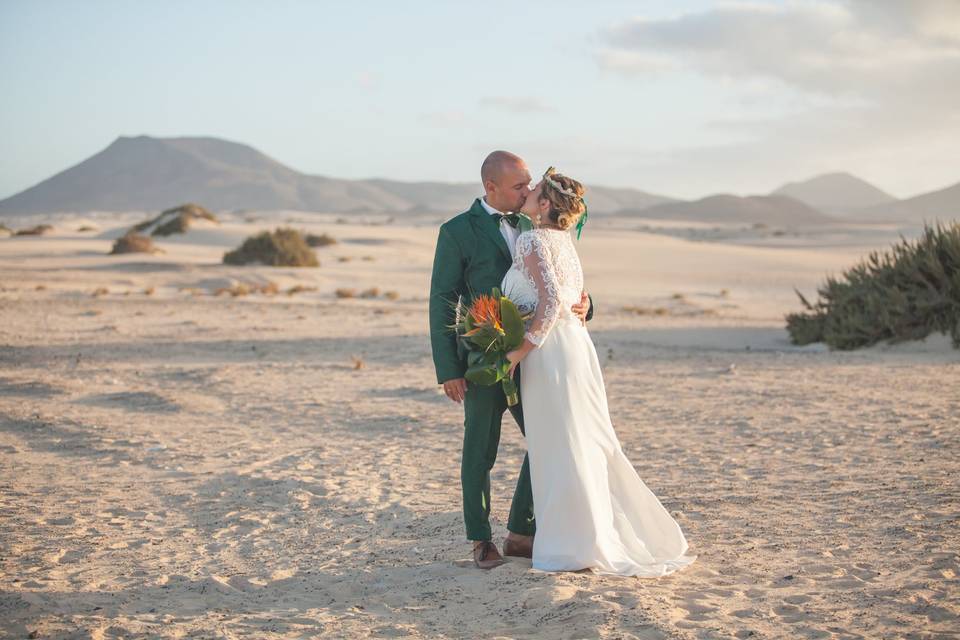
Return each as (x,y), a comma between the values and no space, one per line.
(485,311)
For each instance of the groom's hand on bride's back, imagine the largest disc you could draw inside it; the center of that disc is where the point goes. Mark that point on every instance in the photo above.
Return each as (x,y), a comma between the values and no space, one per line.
(582,308)
(456,389)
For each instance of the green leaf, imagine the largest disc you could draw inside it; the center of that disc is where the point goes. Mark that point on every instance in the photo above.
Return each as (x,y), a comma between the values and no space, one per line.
(482,374)
(512,323)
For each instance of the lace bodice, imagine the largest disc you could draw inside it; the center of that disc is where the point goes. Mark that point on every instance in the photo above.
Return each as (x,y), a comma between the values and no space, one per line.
(545,278)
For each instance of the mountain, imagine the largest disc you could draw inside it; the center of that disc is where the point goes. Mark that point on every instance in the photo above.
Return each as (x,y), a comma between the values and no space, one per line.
(836,193)
(150,174)
(147,174)
(943,204)
(770,210)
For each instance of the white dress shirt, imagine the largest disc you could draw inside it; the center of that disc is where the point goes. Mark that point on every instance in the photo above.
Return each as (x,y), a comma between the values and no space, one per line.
(509,233)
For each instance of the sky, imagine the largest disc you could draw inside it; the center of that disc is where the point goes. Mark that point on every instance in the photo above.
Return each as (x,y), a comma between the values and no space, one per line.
(683,97)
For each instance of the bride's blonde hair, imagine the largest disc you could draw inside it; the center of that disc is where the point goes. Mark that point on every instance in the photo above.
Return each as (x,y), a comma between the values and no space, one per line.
(566,203)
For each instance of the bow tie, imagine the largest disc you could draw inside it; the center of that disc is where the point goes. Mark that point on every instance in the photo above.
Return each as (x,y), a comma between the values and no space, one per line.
(511,219)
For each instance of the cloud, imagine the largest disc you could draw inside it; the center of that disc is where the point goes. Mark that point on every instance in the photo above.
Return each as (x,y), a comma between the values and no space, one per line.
(875,50)
(866,78)
(516,104)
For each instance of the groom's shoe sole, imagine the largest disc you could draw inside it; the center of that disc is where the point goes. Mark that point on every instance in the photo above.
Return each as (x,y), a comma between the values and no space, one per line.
(486,556)
(517,549)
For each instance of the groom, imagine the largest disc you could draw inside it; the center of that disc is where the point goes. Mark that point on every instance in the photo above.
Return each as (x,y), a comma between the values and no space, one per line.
(474,251)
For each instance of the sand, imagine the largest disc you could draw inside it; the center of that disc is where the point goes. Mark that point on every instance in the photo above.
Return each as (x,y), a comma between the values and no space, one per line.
(176,463)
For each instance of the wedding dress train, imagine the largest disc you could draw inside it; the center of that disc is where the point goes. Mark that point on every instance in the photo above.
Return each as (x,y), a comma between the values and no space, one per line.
(590,506)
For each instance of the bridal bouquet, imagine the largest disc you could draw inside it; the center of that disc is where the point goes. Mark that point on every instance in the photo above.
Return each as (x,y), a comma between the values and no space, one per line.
(490,327)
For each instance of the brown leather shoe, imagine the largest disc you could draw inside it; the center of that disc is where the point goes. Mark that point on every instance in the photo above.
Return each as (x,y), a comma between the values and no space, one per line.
(485,555)
(518,548)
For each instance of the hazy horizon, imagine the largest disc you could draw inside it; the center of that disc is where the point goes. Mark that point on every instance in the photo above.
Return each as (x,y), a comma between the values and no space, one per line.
(683,99)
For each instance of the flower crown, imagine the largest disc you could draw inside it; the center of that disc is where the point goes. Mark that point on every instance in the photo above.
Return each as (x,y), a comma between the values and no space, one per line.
(567,192)
(556,185)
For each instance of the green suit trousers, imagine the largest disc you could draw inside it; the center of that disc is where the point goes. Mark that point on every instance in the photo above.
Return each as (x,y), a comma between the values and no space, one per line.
(483,409)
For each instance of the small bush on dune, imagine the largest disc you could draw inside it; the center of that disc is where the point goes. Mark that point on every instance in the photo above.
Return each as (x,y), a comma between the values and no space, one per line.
(176,220)
(322,240)
(38,230)
(905,293)
(133,243)
(345,293)
(283,247)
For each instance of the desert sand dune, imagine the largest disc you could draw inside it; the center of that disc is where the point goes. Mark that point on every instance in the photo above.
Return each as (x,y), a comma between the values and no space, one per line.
(177,463)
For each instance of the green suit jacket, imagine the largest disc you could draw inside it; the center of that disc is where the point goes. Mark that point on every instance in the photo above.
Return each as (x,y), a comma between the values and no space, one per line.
(471,258)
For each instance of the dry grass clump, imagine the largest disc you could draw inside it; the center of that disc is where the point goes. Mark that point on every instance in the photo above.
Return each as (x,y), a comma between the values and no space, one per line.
(40,287)
(368,258)
(149,291)
(243,289)
(283,247)
(905,293)
(100,291)
(372,292)
(647,311)
(133,243)
(85,228)
(176,220)
(299,288)
(38,230)
(344,259)
(358,363)
(323,240)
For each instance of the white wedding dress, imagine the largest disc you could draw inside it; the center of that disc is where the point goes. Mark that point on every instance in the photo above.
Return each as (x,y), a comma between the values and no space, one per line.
(591,508)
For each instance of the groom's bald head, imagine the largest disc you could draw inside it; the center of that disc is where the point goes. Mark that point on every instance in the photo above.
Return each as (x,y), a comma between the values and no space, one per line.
(496,163)
(505,179)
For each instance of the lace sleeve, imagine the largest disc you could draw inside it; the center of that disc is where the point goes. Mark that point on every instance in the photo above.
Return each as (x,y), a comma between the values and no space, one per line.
(539,264)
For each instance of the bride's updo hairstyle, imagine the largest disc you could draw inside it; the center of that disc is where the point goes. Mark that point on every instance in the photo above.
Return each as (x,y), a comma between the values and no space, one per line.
(566,202)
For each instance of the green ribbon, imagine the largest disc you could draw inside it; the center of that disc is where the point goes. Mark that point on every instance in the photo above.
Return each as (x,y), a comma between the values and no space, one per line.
(583,220)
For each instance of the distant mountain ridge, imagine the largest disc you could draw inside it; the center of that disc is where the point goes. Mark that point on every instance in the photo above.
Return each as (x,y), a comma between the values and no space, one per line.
(835,193)
(726,208)
(943,205)
(143,173)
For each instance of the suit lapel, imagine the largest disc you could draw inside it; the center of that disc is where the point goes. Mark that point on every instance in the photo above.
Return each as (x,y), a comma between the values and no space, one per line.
(488,227)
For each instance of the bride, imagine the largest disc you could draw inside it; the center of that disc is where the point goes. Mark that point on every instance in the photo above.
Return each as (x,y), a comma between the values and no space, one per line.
(591,508)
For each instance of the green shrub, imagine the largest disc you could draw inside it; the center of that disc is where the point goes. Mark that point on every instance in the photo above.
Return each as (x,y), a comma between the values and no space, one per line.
(283,247)
(38,230)
(905,293)
(323,240)
(176,220)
